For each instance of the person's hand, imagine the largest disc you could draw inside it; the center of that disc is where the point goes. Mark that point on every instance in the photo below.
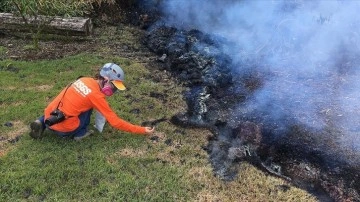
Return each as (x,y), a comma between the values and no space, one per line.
(149,130)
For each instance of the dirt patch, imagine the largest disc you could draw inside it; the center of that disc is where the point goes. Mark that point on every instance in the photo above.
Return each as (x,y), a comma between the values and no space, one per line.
(157,137)
(112,38)
(10,138)
(16,48)
(126,152)
(43,87)
(201,174)
(130,152)
(208,196)
(18,128)
(37,88)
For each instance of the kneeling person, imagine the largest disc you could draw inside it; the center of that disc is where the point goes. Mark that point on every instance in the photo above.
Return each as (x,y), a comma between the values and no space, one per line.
(68,115)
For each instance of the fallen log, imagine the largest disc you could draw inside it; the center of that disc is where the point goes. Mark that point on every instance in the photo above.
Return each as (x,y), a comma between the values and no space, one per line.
(74,26)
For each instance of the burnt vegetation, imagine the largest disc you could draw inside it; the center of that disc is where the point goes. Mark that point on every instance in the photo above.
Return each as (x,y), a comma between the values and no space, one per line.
(309,158)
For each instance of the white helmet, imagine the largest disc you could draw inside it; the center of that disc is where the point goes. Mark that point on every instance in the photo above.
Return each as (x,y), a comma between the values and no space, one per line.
(115,74)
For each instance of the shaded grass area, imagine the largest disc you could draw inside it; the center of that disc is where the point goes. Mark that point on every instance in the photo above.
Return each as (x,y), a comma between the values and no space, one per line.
(113,165)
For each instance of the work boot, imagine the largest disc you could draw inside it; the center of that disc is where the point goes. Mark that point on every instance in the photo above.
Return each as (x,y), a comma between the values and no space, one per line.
(84,136)
(36,129)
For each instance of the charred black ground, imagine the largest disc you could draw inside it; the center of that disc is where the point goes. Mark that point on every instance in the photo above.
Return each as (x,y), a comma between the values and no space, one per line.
(306,157)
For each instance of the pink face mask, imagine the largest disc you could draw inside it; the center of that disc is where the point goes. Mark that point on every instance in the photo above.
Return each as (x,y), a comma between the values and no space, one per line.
(107,89)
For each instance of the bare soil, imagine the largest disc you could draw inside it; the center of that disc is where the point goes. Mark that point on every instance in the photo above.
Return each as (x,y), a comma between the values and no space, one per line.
(19,46)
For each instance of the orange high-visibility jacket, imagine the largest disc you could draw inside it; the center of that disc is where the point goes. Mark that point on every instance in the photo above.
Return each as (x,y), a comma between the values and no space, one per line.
(85,94)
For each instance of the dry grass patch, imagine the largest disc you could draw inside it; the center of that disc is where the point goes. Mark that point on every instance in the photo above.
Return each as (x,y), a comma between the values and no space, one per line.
(42,88)
(8,88)
(200,174)
(126,152)
(13,104)
(165,151)
(130,152)
(206,196)
(167,155)
(250,185)
(157,137)
(12,136)
(4,151)
(18,128)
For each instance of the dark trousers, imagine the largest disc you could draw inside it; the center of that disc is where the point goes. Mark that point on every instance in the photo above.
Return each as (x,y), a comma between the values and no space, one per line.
(79,131)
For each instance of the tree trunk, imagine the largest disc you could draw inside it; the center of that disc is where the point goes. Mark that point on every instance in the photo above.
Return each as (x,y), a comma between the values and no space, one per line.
(76,26)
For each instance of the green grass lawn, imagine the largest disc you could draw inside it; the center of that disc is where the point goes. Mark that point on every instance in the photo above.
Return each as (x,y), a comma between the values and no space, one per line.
(61,169)
(113,165)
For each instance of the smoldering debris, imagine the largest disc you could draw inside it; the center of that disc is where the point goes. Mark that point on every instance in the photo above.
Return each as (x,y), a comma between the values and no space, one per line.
(309,158)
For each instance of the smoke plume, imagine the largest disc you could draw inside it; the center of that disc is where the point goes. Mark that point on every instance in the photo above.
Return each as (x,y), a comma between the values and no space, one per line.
(308,51)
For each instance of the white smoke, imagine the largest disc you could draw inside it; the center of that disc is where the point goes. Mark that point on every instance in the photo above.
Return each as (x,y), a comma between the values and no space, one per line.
(310,49)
